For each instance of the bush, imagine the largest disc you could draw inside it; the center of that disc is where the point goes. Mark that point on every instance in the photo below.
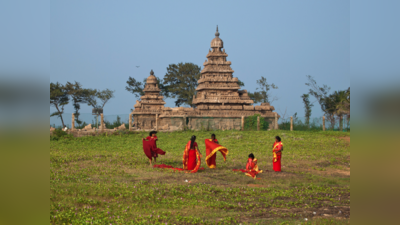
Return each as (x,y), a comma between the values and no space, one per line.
(59,133)
(53,138)
(250,123)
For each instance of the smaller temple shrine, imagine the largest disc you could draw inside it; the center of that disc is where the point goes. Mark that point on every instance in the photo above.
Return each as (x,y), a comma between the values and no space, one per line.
(151,100)
(219,102)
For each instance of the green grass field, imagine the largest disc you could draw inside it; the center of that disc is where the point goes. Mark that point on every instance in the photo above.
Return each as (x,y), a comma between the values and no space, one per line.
(107,180)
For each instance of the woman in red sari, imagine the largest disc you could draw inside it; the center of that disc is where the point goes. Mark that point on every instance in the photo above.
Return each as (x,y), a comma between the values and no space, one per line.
(277,149)
(212,147)
(191,156)
(150,147)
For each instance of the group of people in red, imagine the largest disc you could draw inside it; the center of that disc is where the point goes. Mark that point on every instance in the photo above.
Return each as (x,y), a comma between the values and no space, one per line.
(192,156)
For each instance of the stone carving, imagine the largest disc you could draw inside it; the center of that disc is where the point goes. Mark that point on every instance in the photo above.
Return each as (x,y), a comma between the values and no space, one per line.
(165,127)
(88,127)
(174,128)
(219,104)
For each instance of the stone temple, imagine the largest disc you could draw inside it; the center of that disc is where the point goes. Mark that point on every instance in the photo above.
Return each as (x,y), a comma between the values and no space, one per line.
(219,104)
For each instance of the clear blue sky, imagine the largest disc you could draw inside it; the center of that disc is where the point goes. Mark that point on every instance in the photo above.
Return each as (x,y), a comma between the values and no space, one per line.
(100,43)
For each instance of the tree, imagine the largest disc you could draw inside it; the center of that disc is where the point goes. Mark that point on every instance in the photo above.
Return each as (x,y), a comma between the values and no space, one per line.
(263,94)
(307,107)
(136,87)
(255,96)
(240,83)
(58,98)
(93,96)
(338,104)
(320,93)
(333,105)
(78,95)
(181,81)
(104,96)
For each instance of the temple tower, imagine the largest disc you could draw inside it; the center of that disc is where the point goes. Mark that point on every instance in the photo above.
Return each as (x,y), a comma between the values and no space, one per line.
(217,86)
(151,100)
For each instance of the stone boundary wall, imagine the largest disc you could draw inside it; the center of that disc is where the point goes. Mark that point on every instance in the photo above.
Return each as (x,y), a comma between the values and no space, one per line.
(178,123)
(214,123)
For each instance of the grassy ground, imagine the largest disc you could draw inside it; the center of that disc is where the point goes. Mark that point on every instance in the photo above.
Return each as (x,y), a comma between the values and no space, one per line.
(107,180)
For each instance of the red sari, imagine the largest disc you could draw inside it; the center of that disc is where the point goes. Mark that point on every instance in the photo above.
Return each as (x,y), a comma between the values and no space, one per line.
(211,152)
(252,168)
(189,158)
(150,148)
(277,156)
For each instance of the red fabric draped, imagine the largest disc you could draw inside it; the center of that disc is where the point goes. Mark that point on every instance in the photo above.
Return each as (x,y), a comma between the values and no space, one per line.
(276,166)
(211,149)
(189,157)
(150,148)
(191,164)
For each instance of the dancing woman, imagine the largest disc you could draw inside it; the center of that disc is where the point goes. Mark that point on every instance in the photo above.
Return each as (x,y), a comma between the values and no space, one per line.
(150,147)
(191,156)
(212,147)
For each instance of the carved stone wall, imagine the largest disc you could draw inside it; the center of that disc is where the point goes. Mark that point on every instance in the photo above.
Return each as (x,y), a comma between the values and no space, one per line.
(219,102)
(198,123)
(146,121)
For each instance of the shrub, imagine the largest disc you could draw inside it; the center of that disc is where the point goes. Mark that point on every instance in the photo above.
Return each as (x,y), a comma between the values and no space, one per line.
(59,133)
(250,123)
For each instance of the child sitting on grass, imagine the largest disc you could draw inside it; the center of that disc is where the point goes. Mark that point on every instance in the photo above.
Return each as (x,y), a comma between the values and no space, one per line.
(251,167)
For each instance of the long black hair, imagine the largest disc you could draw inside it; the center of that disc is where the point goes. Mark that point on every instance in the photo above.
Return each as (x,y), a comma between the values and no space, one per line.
(278,138)
(213,135)
(251,156)
(192,141)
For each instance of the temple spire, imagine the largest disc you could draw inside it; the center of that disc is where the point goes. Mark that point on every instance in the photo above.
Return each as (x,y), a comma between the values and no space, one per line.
(217,33)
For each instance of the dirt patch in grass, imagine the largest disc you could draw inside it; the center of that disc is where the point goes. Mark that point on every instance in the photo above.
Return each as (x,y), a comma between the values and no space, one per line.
(255,185)
(334,212)
(346,139)
(342,172)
